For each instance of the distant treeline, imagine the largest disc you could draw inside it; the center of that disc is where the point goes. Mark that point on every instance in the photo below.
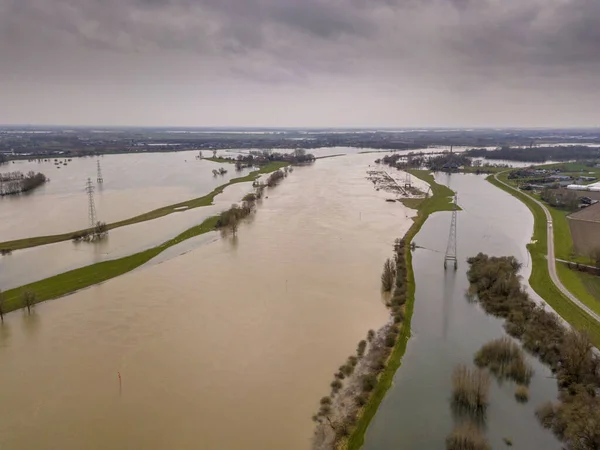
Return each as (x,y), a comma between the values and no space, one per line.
(447,161)
(16,182)
(262,158)
(537,154)
(3,158)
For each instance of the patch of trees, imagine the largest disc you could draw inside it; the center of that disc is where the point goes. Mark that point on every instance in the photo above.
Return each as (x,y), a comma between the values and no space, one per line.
(538,154)
(262,158)
(17,183)
(3,158)
(575,418)
(560,198)
(445,162)
(98,233)
(274,179)
(230,219)
(220,171)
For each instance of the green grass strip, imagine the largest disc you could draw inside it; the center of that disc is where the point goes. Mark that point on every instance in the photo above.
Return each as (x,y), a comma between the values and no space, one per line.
(440,200)
(154,214)
(540,279)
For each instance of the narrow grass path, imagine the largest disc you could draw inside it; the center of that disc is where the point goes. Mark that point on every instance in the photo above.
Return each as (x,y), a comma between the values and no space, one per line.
(540,279)
(74,280)
(154,214)
(440,200)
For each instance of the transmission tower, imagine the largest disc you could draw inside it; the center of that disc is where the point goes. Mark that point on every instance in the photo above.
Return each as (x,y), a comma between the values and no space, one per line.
(451,247)
(89,188)
(407,181)
(99,179)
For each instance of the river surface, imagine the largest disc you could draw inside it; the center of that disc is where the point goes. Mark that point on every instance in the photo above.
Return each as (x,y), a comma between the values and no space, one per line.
(448,330)
(226,346)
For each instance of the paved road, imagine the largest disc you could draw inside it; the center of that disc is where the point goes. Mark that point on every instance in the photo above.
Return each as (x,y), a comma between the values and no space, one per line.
(551,257)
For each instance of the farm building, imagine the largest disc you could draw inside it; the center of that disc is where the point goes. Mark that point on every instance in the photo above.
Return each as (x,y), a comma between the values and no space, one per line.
(585,229)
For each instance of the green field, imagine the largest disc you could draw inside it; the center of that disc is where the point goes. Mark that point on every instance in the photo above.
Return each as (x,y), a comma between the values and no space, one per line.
(155,214)
(540,279)
(440,200)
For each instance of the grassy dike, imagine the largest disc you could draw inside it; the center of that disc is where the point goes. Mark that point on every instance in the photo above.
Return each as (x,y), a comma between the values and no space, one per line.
(440,200)
(154,214)
(74,280)
(540,279)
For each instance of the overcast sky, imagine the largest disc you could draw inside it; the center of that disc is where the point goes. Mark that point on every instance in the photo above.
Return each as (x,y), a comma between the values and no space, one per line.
(395,63)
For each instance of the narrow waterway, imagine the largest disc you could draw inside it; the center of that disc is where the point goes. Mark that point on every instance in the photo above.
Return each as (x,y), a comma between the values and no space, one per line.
(448,330)
(228,346)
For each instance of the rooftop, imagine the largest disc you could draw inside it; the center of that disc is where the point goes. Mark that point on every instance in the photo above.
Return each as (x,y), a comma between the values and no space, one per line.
(591,214)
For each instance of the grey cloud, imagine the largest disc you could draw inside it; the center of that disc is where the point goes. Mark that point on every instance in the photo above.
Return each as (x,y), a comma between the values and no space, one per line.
(447,45)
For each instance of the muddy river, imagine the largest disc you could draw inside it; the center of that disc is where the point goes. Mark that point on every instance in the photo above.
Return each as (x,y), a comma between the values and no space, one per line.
(226,346)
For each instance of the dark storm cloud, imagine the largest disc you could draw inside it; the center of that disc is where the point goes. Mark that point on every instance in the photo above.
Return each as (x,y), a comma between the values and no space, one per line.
(513,32)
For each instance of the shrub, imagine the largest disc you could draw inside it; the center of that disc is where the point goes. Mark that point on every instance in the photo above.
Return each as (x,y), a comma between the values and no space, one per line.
(390,340)
(505,359)
(370,335)
(347,369)
(368,382)
(361,399)
(336,385)
(325,401)
(360,350)
(522,394)
(470,389)
(466,437)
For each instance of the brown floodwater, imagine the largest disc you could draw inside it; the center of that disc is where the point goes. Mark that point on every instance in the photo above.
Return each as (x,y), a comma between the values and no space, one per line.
(227,346)
(36,263)
(133,184)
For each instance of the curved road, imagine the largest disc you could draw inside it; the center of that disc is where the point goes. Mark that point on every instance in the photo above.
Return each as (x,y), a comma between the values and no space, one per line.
(551,257)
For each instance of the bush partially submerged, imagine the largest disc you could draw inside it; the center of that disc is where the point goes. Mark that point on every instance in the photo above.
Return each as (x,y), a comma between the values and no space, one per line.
(466,437)
(522,394)
(505,359)
(470,389)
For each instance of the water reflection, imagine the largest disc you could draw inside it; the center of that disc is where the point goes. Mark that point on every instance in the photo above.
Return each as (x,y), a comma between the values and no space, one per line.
(448,330)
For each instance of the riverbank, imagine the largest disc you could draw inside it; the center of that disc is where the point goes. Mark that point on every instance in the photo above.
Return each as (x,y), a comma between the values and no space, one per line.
(540,279)
(440,200)
(205,200)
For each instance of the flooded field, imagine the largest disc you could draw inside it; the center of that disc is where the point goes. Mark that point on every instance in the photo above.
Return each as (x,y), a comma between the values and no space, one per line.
(227,346)
(448,330)
(36,263)
(133,184)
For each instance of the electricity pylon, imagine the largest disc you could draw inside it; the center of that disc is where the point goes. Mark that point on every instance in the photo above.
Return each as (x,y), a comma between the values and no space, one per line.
(89,188)
(451,247)
(99,179)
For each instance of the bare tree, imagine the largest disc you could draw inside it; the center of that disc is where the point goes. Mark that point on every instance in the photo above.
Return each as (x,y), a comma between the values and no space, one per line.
(388,275)
(29,300)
